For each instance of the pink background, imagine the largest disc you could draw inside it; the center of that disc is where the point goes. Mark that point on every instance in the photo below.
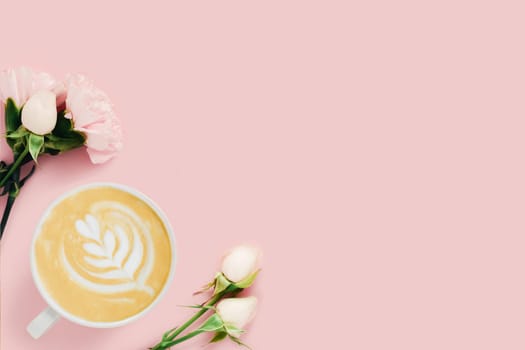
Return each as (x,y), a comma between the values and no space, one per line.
(373,149)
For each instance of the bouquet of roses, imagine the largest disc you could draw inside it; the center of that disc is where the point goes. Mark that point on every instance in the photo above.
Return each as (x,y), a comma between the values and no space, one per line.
(45,116)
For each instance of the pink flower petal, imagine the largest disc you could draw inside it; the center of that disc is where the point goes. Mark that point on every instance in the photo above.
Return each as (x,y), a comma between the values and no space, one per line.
(92,114)
(20,83)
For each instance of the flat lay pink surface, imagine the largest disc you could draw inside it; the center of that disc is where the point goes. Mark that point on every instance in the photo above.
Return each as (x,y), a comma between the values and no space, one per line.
(373,150)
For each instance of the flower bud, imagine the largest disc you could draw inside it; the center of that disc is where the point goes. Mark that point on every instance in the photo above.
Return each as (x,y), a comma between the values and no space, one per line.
(39,114)
(237,312)
(240,263)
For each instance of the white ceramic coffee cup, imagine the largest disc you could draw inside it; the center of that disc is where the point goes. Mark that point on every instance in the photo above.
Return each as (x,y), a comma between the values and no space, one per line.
(47,318)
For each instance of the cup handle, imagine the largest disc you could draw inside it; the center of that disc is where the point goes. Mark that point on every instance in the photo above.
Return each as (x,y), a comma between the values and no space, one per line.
(44,321)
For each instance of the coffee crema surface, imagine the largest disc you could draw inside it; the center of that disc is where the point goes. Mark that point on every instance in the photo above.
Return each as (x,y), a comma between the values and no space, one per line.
(103,254)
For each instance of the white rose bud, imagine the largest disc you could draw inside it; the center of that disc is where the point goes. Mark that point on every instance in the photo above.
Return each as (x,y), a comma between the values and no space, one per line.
(39,114)
(237,312)
(240,263)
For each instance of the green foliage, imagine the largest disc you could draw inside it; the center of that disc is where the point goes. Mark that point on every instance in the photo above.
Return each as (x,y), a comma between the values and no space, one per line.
(27,147)
(212,324)
(218,337)
(12,120)
(63,125)
(238,341)
(18,133)
(221,284)
(12,116)
(248,281)
(63,137)
(35,144)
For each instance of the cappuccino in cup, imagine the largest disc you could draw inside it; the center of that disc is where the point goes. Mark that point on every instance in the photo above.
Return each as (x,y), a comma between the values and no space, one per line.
(102,254)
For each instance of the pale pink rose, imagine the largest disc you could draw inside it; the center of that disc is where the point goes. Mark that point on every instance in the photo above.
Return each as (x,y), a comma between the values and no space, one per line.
(240,263)
(237,312)
(21,83)
(92,113)
(40,112)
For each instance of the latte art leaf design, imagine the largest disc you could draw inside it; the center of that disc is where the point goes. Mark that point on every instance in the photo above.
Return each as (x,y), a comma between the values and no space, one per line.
(113,253)
(104,250)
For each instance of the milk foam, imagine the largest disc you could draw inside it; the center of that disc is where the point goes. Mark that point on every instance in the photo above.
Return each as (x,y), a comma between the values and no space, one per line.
(117,253)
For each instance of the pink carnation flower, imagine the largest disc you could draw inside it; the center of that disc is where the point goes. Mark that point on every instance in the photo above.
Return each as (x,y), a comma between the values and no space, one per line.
(93,114)
(21,83)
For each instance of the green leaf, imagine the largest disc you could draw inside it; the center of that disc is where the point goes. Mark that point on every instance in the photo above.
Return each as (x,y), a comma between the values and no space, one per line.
(20,132)
(51,151)
(218,337)
(63,126)
(238,341)
(36,142)
(231,329)
(212,324)
(19,145)
(248,281)
(221,283)
(12,116)
(55,144)
(63,137)
(12,120)
(206,287)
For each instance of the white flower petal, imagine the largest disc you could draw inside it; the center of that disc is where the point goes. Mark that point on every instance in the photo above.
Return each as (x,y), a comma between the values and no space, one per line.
(40,113)
(237,311)
(240,263)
